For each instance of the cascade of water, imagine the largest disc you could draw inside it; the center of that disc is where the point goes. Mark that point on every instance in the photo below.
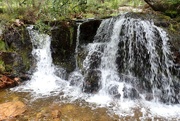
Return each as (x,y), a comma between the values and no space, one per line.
(132,60)
(44,72)
(129,59)
(75,78)
(43,82)
(77,45)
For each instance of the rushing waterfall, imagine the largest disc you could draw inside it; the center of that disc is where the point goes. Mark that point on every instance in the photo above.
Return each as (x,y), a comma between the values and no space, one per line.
(43,81)
(127,65)
(133,61)
(130,59)
(44,72)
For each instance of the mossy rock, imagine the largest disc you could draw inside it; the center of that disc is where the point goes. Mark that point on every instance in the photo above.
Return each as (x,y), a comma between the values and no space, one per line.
(88,31)
(63,43)
(2,66)
(16,46)
(2,46)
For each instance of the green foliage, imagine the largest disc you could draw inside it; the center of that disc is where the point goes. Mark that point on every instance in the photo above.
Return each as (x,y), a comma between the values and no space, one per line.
(2,66)
(34,10)
(171,13)
(41,26)
(174,1)
(2,46)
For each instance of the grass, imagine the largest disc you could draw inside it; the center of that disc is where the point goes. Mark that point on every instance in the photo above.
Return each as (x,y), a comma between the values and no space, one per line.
(60,9)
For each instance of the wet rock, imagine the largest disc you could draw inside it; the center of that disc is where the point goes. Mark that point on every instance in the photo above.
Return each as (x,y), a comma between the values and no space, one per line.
(19,59)
(11,109)
(63,44)
(149,97)
(113,91)
(94,60)
(12,61)
(92,81)
(176,58)
(75,78)
(5,82)
(131,93)
(88,31)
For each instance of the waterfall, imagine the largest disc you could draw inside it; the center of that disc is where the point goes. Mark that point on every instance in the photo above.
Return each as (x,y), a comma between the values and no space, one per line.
(127,66)
(133,60)
(77,45)
(44,81)
(130,59)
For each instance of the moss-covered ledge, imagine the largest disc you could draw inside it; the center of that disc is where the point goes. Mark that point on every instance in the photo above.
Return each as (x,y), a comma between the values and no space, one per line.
(15,51)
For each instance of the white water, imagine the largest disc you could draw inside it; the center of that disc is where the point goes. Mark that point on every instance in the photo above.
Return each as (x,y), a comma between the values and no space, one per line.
(77,45)
(43,82)
(146,38)
(135,34)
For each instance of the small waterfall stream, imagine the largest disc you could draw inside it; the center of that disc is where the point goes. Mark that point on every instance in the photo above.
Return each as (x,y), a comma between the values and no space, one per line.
(44,81)
(127,66)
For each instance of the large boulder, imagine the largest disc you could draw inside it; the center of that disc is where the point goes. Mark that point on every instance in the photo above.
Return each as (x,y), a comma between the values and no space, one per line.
(11,109)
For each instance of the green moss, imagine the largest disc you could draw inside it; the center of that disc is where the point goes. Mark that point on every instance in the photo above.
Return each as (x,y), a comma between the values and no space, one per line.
(26,61)
(171,13)
(42,27)
(8,68)
(2,66)
(2,46)
(171,28)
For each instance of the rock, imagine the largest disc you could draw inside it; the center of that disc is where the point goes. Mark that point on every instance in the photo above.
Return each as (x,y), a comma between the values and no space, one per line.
(88,31)
(19,59)
(75,78)
(131,93)
(113,91)
(56,114)
(91,81)
(63,44)
(8,82)
(176,57)
(13,62)
(11,109)
(94,60)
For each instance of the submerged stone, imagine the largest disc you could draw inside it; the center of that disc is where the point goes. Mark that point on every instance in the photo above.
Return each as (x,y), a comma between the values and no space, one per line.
(11,109)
